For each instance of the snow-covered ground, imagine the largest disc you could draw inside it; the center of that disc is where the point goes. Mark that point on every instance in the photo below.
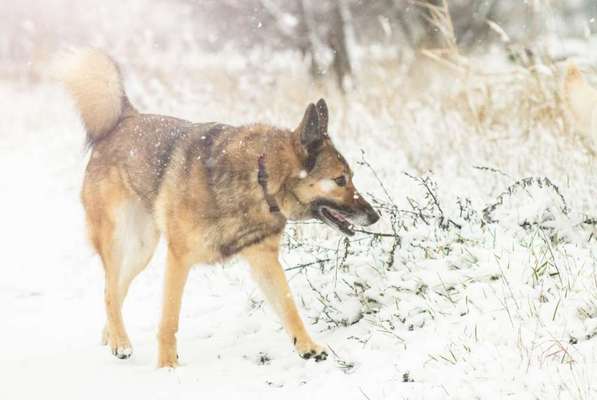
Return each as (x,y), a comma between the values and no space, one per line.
(460,308)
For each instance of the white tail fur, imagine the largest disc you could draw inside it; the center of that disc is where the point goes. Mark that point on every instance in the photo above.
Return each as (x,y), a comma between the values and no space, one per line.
(581,99)
(94,81)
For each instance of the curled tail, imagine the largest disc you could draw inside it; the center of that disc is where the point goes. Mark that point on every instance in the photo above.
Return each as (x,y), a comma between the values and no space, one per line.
(94,81)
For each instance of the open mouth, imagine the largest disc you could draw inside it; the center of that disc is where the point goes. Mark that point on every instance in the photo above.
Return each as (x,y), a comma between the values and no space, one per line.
(336,219)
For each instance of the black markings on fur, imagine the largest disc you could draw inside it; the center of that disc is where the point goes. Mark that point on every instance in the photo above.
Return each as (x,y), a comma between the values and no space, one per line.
(312,153)
(294,340)
(262,180)
(222,172)
(224,140)
(310,162)
(164,156)
(322,112)
(248,237)
(310,128)
(202,146)
(201,149)
(149,162)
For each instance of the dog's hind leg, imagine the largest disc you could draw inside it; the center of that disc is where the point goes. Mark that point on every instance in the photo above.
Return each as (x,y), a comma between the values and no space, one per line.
(135,238)
(125,236)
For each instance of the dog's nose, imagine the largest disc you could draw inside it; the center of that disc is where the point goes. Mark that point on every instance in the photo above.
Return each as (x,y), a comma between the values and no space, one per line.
(372,216)
(367,212)
(370,213)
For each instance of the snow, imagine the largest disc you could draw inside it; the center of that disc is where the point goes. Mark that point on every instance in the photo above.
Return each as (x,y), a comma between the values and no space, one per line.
(462,309)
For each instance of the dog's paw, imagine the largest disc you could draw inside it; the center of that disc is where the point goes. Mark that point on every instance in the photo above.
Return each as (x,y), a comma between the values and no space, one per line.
(122,353)
(168,362)
(168,357)
(309,349)
(120,348)
(317,356)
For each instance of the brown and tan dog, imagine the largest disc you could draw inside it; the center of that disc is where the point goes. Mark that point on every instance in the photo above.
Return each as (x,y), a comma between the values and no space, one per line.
(213,190)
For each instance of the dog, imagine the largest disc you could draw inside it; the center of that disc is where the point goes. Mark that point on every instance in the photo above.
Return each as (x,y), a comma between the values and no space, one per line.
(213,190)
(581,100)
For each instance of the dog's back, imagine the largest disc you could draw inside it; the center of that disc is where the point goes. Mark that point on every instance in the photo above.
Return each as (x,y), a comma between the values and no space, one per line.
(140,146)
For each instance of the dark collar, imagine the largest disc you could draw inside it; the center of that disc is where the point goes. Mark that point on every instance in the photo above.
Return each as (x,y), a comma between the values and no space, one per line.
(262,180)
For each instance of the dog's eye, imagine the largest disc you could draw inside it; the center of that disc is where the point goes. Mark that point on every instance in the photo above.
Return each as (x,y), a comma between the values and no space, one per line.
(340,181)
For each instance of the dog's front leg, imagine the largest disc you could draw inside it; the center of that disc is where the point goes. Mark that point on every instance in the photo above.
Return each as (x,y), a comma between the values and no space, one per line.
(269,274)
(177,271)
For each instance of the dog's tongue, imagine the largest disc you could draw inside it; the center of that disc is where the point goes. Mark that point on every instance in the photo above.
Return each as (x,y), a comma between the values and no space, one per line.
(340,223)
(343,224)
(336,215)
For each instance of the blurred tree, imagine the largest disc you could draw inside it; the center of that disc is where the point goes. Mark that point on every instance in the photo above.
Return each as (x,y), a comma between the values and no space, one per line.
(324,31)
(309,43)
(341,42)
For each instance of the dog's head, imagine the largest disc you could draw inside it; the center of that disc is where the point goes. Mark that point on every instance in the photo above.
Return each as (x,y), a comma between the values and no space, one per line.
(324,189)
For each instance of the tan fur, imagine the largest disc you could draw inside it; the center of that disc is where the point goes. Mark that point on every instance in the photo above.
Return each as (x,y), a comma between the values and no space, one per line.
(94,81)
(581,99)
(214,191)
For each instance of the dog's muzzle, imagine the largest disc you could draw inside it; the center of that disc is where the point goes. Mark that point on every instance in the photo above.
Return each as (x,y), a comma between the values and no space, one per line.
(342,218)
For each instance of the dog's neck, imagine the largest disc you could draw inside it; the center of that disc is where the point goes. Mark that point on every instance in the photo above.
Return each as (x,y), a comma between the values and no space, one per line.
(262,180)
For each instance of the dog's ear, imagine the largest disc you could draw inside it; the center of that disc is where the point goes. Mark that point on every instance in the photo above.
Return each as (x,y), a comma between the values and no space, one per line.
(309,130)
(322,112)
